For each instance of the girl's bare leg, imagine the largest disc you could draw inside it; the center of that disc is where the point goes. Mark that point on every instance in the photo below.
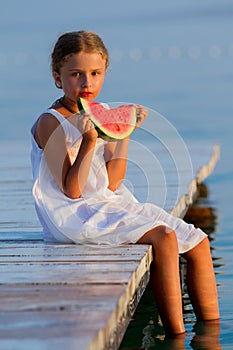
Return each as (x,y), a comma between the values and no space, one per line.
(201,282)
(165,279)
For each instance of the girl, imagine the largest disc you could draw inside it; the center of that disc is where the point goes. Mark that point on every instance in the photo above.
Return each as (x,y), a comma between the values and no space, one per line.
(79,196)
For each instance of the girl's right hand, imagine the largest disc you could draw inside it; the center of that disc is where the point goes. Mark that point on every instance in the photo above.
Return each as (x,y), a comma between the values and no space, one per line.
(86,127)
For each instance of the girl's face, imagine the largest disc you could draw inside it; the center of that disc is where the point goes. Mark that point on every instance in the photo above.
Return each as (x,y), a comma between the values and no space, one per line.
(82,76)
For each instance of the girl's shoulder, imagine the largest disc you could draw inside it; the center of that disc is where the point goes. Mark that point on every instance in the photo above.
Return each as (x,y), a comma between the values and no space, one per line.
(46,125)
(48,119)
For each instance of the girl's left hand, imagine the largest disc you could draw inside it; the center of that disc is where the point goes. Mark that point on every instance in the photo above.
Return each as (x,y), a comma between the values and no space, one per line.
(142,114)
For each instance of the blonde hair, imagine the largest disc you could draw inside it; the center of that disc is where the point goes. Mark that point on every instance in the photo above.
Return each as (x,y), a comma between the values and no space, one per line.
(75,42)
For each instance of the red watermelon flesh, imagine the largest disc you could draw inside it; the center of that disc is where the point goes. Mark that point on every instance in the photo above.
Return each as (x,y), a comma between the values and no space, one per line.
(111,123)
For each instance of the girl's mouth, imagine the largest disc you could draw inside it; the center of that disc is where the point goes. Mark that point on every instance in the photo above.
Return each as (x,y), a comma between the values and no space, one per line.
(85,94)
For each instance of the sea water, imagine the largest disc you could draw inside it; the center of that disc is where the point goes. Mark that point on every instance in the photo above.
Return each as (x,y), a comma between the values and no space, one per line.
(175,57)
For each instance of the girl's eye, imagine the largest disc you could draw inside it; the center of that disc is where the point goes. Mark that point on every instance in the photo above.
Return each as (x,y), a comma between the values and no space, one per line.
(95,74)
(76,74)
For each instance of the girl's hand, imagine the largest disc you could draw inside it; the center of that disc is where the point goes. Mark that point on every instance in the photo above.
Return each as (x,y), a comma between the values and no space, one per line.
(86,127)
(142,114)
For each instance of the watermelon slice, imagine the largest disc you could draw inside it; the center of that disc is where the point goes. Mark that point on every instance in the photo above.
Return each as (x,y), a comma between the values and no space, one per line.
(112,124)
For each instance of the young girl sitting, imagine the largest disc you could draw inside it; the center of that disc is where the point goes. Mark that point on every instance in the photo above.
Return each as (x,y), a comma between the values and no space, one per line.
(79,197)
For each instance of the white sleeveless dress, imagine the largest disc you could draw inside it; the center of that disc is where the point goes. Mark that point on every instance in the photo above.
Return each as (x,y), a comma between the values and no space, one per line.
(100,216)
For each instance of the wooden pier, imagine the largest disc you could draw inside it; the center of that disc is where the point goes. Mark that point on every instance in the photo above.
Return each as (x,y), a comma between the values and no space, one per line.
(70,297)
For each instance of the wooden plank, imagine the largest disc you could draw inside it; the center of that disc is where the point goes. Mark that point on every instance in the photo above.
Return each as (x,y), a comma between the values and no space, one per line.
(92,327)
(43,330)
(75,272)
(100,310)
(48,297)
(31,248)
(65,330)
(65,273)
(208,167)
(9,237)
(70,253)
(202,169)
(114,307)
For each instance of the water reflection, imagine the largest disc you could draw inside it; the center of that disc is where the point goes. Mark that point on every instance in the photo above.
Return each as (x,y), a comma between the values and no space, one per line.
(202,214)
(207,336)
(146,331)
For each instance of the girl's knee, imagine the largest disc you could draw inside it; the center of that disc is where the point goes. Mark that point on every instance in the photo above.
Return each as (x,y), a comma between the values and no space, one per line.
(161,237)
(167,237)
(165,244)
(200,251)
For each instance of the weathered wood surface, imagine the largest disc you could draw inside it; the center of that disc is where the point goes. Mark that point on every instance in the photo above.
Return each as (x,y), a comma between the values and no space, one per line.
(79,300)
(69,295)
(75,297)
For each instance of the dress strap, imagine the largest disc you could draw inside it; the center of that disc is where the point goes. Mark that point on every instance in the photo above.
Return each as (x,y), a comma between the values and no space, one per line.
(56,114)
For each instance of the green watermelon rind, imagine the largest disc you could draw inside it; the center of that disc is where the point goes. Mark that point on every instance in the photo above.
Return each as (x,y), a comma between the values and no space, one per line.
(106,135)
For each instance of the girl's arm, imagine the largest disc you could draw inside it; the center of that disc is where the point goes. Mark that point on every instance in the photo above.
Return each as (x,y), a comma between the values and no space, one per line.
(116,154)
(51,138)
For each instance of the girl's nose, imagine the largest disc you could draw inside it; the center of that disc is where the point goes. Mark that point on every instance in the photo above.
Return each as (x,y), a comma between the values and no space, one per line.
(86,81)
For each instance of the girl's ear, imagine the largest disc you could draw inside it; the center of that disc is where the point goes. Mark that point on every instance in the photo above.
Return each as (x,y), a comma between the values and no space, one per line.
(57,80)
